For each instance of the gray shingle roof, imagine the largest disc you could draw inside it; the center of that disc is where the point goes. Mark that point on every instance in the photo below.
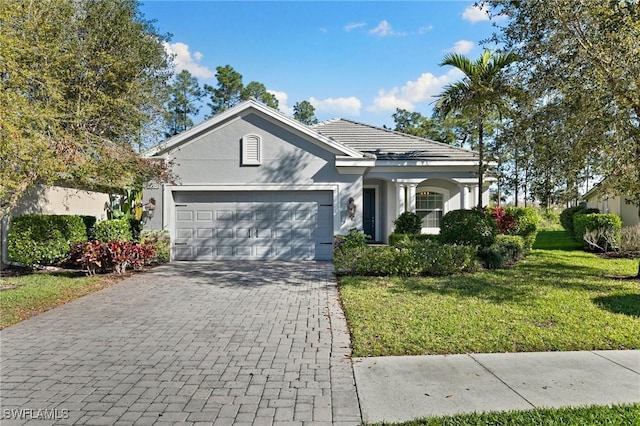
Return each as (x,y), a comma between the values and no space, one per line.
(388,144)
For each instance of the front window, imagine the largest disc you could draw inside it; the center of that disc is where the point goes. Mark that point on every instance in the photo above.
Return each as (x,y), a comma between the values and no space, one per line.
(429,206)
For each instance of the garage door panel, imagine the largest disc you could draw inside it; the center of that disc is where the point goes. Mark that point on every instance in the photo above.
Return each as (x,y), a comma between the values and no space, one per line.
(254,225)
(224,233)
(204,233)
(184,215)
(224,215)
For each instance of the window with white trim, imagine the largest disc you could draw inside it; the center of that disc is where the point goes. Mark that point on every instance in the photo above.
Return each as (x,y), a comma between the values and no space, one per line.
(251,150)
(429,206)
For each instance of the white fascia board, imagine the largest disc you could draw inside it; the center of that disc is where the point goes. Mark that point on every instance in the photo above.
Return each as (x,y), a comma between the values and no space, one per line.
(354,162)
(422,163)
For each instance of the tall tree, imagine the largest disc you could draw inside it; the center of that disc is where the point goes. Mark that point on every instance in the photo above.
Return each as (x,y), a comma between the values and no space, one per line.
(305,113)
(479,94)
(184,94)
(78,81)
(585,56)
(231,91)
(228,91)
(258,92)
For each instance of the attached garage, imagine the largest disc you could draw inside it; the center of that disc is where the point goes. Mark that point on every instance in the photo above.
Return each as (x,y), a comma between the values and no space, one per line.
(253,225)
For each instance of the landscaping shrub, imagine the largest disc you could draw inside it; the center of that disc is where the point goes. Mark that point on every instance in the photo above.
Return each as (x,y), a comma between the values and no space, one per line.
(526,224)
(416,258)
(97,256)
(566,217)
(398,240)
(469,227)
(112,230)
(449,259)
(408,223)
(37,239)
(506,250)
(89,223)
(160,241)
(354,239)
(604,230)
(505,222)
(630,238)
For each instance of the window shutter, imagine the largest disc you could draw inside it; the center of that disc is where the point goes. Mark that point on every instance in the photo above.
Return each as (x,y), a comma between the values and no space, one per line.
(251,150)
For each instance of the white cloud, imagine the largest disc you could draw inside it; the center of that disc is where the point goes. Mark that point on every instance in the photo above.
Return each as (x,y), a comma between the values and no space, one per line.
(462,47)
(354,25)
(184,60)
(425,29)
(476,14)
(384,29)
(283,99)
(348,106)
(423,89)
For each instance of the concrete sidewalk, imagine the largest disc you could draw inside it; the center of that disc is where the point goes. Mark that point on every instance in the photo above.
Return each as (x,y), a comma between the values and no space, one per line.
(394,389)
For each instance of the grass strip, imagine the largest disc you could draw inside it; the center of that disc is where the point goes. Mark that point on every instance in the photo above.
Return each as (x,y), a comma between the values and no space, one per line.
(615,415)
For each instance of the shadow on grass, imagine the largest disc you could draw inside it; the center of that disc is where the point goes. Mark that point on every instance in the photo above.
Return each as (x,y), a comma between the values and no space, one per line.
(627,304)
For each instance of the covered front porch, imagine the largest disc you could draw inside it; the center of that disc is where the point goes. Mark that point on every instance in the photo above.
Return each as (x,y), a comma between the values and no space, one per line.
(383,200)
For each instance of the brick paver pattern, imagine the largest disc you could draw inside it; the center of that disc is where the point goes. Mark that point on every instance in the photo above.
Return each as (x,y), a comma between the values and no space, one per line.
(244,343)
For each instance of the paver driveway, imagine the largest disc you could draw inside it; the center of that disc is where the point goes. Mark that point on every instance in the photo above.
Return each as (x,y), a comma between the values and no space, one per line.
(214,342)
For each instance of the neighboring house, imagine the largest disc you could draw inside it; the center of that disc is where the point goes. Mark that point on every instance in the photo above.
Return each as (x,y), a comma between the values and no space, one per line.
(255,184)
(606,203)
(44,199)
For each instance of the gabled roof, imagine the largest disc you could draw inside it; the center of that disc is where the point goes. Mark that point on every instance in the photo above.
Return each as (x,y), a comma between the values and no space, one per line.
(390,145)
(244,108)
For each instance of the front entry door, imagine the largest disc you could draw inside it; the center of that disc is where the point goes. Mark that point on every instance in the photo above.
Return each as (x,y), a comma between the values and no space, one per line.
(369,212)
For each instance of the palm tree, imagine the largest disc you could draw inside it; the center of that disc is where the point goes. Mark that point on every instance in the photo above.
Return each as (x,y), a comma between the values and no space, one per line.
(481,92)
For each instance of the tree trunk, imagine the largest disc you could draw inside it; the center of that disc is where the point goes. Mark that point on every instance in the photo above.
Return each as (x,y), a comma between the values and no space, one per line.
(480,162)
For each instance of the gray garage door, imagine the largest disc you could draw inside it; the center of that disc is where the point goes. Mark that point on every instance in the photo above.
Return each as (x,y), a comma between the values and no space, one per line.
(292,225)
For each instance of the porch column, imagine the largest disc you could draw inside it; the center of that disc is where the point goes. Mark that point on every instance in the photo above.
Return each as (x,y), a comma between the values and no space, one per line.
(464,197)
(412,198)
(400,199)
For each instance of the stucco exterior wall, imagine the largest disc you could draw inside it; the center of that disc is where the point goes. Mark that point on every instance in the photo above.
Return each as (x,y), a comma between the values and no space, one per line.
(290,161)
(43,199)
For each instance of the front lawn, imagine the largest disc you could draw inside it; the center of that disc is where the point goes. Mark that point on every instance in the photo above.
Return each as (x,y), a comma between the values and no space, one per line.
(557,299)
(616,415)
(25,296)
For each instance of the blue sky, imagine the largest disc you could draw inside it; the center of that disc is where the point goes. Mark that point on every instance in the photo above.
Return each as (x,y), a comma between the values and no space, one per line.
(352,59)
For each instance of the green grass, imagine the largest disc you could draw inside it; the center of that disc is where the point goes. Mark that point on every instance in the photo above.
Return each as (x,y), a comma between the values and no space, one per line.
(616,415)
(555,300)
(39,292)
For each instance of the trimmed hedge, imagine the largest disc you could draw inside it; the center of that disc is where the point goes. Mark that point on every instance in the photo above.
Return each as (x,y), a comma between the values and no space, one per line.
(397,240)
(526,226)
(607,224)
(419,258)
(37,239)
(468,227)
(567,215)
(112,230)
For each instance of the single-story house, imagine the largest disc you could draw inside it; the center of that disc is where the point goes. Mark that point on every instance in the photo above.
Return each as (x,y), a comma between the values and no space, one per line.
(599,199)
(256,184)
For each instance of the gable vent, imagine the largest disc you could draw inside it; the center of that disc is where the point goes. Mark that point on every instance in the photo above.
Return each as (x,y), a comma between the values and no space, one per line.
(251,150)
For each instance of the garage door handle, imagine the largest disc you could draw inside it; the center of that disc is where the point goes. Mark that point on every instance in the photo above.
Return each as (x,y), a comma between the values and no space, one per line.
(179,244)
